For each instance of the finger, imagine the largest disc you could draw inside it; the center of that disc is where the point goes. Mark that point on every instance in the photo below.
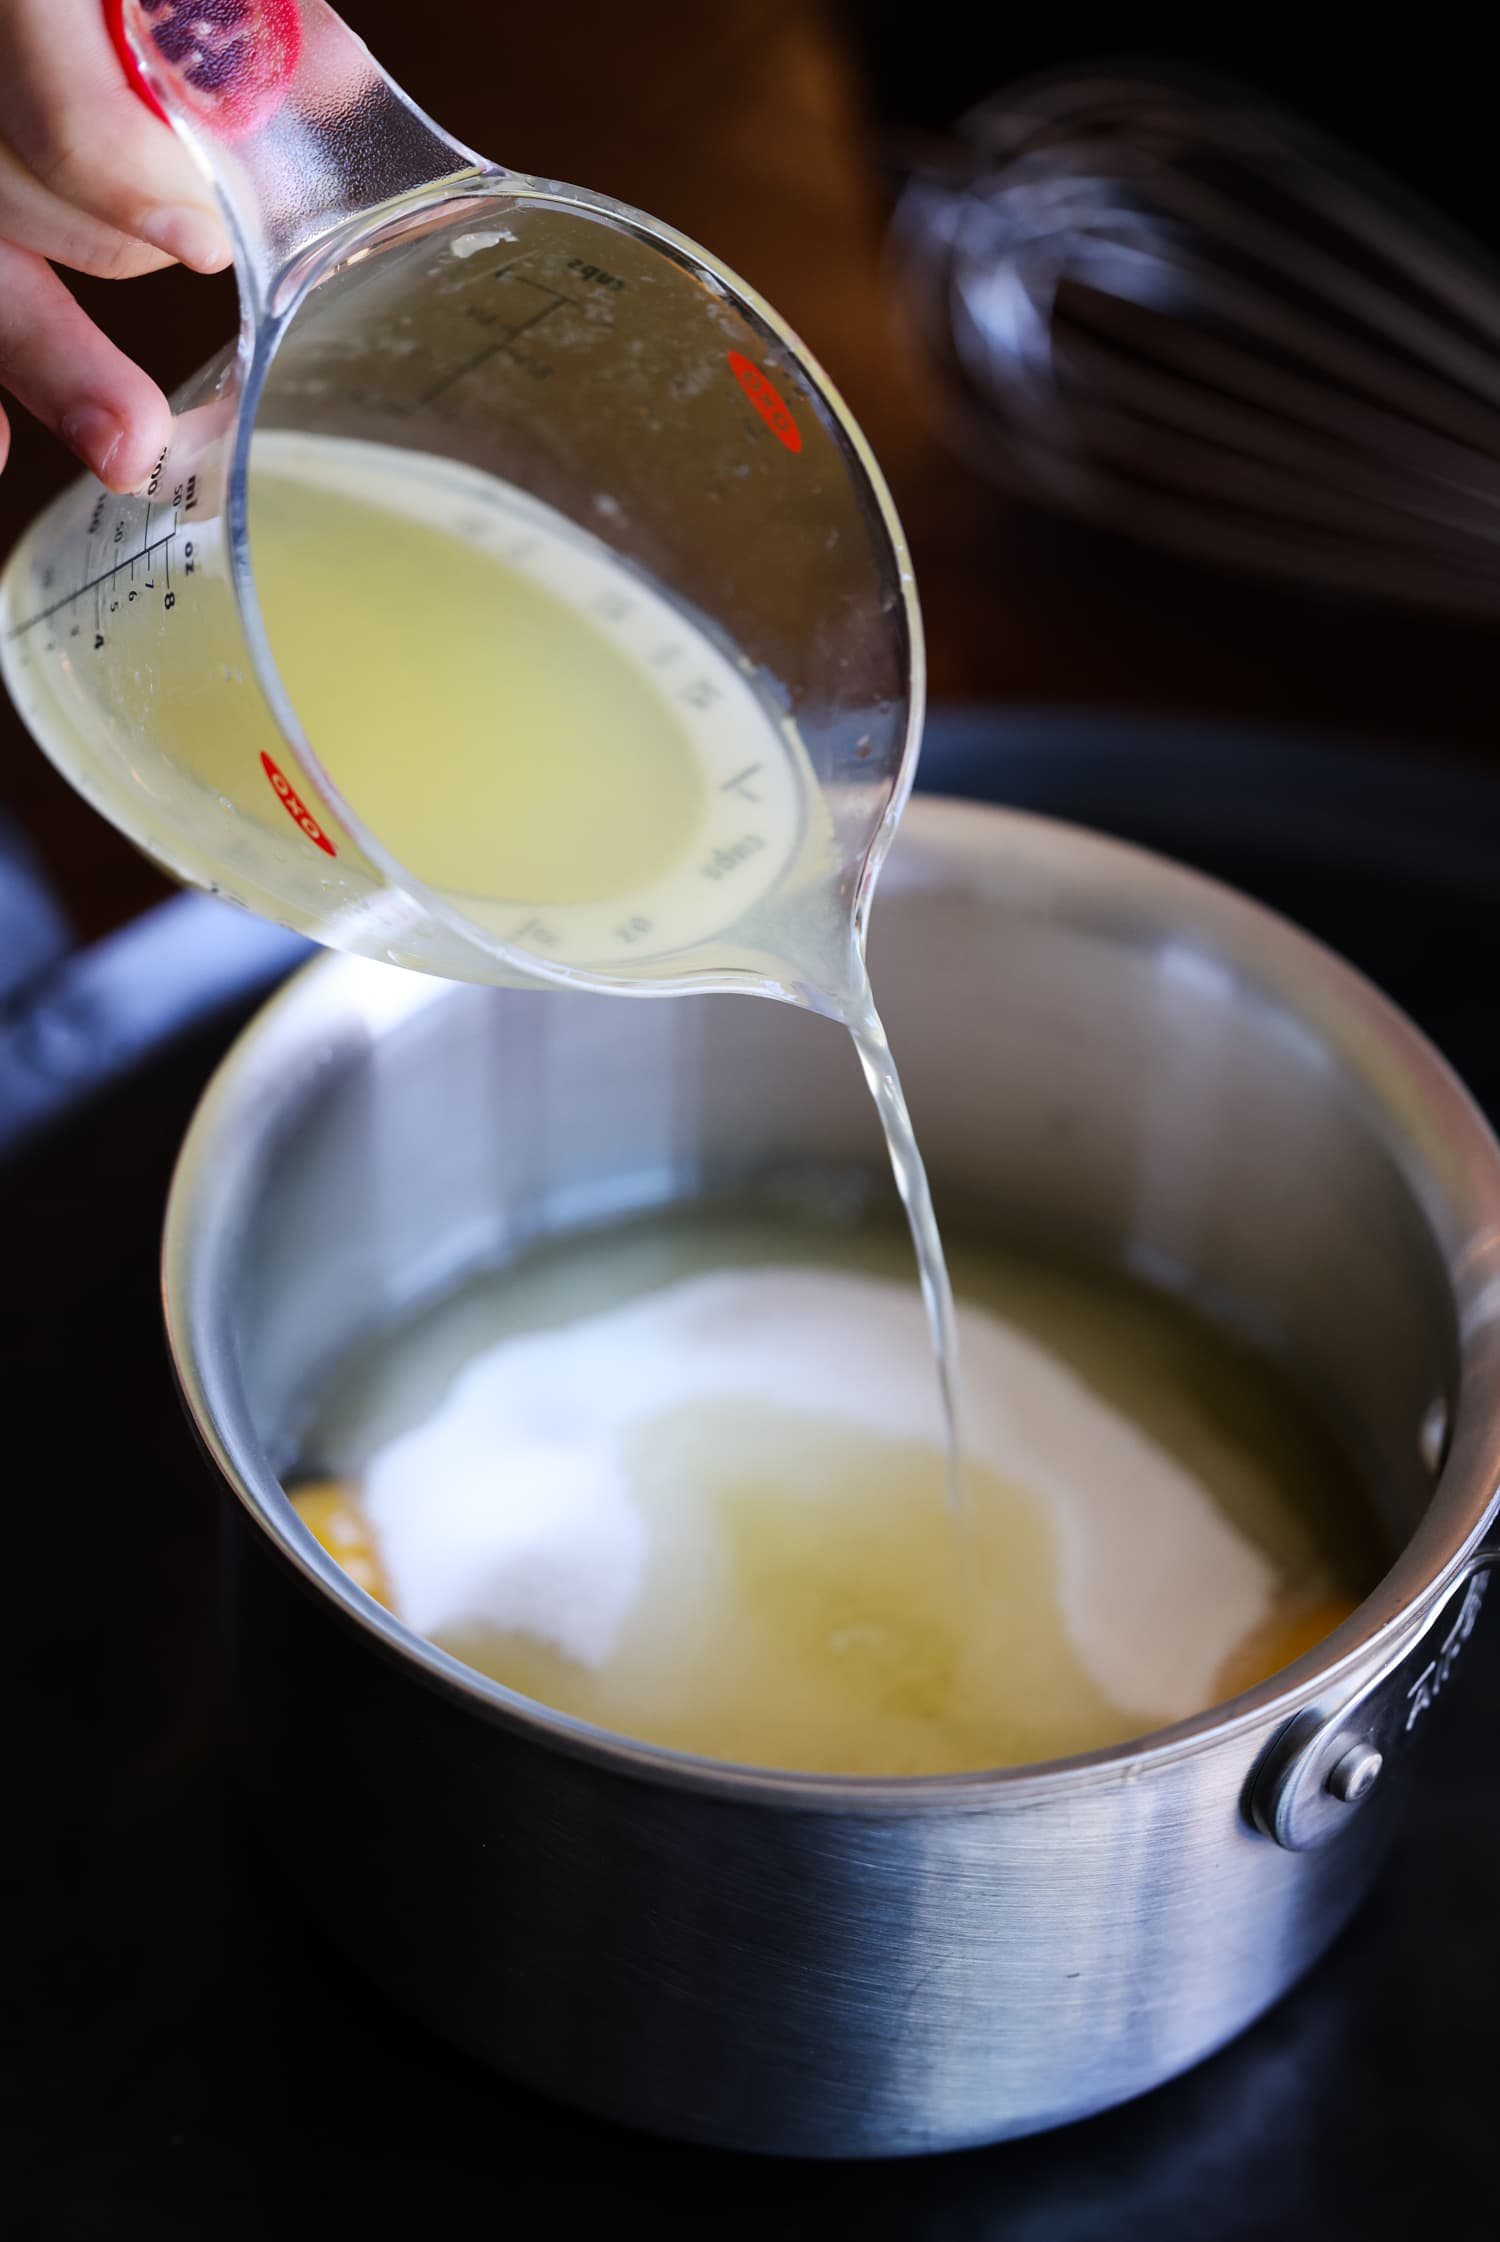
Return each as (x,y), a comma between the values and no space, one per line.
(34,218)
(56,361)
(4,439)
(80,129)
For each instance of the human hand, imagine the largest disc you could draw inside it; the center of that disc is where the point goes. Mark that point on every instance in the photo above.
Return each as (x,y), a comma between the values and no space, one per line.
(89,180)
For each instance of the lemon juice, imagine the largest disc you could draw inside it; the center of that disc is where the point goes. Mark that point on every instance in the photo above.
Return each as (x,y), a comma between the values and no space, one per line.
(503,743)
(543,741)
(515,723)
(554,749)
(515,740)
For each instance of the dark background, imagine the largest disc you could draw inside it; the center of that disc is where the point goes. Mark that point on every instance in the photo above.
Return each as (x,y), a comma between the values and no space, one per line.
(183,2060)
(773,130)
(1413,95)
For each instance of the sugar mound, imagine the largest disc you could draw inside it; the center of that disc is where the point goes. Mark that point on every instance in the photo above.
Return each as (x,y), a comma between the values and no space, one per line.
(511,1506)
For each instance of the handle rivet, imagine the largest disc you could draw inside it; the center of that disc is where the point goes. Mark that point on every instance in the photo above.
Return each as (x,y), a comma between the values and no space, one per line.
(1355,1775)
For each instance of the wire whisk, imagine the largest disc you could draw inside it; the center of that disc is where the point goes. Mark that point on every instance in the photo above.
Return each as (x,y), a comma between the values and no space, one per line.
(1170,309)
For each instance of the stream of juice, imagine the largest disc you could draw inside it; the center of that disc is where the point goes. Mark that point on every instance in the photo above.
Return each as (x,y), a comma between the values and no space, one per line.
(564,763)
(466,676)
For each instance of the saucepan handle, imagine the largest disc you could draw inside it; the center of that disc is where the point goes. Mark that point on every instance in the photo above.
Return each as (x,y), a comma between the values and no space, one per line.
(1325,1765)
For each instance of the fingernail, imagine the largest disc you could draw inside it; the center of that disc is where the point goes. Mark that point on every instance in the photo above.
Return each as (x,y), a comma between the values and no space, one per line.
(193,237)
(94,433)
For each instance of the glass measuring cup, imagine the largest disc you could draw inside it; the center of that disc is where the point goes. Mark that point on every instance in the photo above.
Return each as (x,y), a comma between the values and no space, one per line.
(629,453)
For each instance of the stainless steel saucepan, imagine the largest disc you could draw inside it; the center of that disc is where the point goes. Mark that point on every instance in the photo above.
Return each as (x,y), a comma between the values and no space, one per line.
(1103,1050)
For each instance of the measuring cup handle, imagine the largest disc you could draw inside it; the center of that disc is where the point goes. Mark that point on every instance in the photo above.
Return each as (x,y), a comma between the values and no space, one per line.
(289,113)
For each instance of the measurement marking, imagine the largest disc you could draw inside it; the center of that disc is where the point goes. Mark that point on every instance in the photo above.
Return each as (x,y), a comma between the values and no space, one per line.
(501,271)
(733,853)
(542,289)
(514,327)
(127,560)
(538,932)
(739,784)
(507,342)
(441,387)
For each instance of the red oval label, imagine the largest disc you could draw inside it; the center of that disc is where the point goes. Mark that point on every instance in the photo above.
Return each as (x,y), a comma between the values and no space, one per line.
(296,809)
(765,400)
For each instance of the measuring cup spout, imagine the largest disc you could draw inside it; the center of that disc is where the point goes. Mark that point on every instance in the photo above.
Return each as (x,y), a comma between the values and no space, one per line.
(292,118)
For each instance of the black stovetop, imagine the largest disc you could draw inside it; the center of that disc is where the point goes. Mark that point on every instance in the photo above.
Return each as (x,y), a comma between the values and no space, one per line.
(190,2061)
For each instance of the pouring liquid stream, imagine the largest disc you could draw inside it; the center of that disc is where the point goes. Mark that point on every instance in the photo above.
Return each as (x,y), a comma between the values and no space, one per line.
(508,754)
(884,1083)
(527,710)
(562,759)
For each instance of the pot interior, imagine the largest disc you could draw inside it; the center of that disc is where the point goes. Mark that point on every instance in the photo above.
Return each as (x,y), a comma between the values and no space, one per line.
(1105,1058)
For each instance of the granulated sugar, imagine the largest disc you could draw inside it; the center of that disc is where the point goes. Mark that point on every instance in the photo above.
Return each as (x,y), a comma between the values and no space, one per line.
(535,1499)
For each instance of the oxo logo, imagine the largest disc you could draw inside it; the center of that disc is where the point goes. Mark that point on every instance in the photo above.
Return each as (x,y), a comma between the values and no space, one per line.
(765,400)
(296,809)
